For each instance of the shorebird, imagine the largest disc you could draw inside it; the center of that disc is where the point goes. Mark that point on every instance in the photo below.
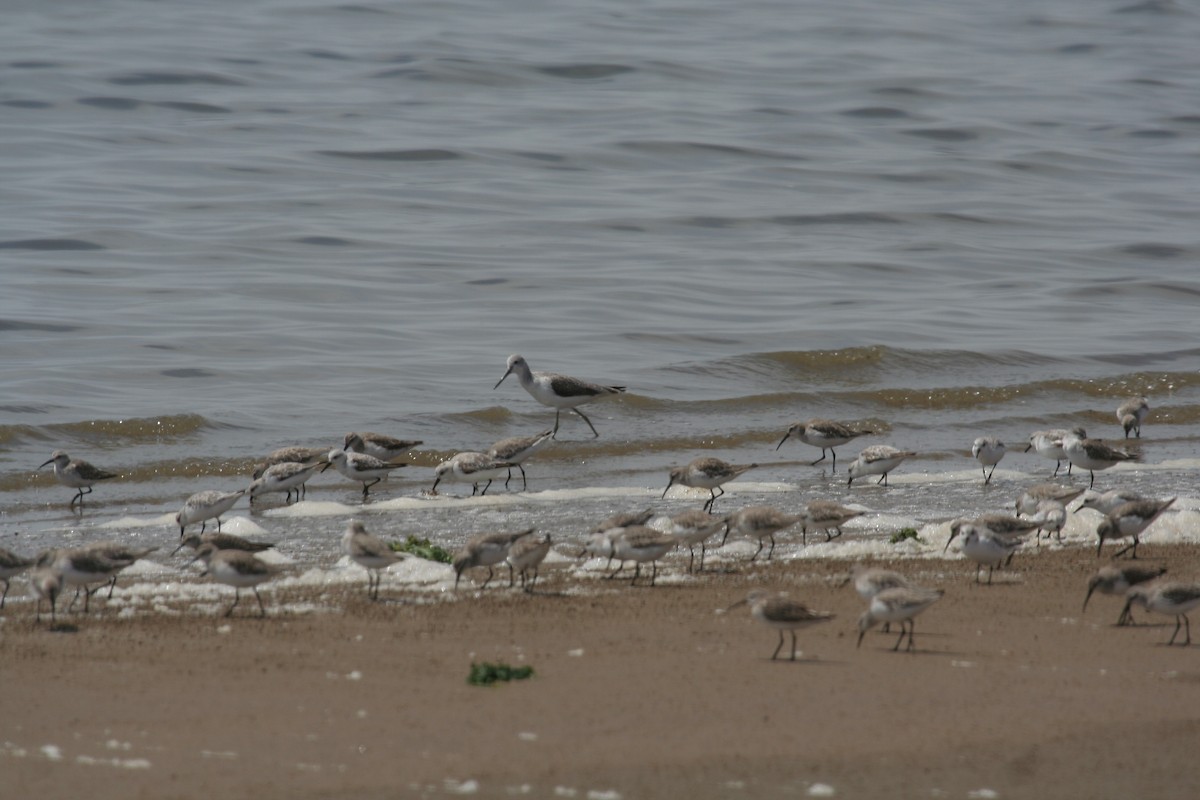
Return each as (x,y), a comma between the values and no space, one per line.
(526,555)
(369,552)
(640,544)
(1171,599)
(1104,502)
(1130,519)
(825,515)
(289,476)
(691,528)
(486,550)
(1049,444)
(625,520)
(1032,497)
(515,450)
(46,584)
(222,541)
(983,546)
(1119,580)
(709,473)
(759,522)
(11,565)
(825,434)
(1052,517)
(879,459)
(204,506)
(599,539)
(870,581)
(470,467)
(557,391)
(778,611)
(81,567)
(291,455)
(385,448)
(897,605)
(1091,454)
(1131,413)
(118,553)
(988,450)
(77,474)
(361,467)
(235,568)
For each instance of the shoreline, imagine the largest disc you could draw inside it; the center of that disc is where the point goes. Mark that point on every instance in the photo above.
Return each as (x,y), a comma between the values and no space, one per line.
(636,691)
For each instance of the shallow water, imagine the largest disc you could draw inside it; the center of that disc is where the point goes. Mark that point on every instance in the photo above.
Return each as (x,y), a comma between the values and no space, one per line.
(232,227)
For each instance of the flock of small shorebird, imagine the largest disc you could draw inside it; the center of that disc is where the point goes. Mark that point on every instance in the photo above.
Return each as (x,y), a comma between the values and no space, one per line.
(644,537)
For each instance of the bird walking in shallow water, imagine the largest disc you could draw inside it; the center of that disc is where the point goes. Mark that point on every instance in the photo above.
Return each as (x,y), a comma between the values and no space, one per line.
(557,391)
(825,434)
(778,611)
(385,448)
(988,450)
(203,506)
(707,473)
(879,459)
(1131,413)
(369,470)
(470,467)
(77,474)
(1091,454)
(515,450)
(369,552)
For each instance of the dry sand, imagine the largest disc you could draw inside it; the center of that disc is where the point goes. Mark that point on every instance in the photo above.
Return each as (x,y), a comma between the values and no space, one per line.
(638,692)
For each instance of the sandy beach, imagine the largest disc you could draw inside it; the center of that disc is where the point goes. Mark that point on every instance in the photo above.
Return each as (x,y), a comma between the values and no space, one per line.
(637,692)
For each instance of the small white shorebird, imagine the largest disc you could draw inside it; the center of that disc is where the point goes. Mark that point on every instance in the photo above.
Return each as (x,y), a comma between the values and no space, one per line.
(203,506)
(1131,413)
(1049,444)
(385,448)
(1171,599)
(369,552)
(235,568)
(11,565)
(77,474)
(81,567)
(759,522)
(526,555)
(486,550)
(988,450)
(879,459)
(361,467)
(1130,519)
(778,611)
(870,581)
(640,544)
(1104,502)
(825,434)
(46,584)
(291,455)
(557,391)
(983,546)
(825,515)
(289,476)
(1035,495)
(1118,581)
(222,541)
(897,605)
(709,473)
(470,467)
(119,553)
(515,450)
(691,528)
(599,540)
(1053,518)
(1091,454)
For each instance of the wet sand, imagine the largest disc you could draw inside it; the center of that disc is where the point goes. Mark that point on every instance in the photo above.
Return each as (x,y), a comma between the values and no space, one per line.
(637,692)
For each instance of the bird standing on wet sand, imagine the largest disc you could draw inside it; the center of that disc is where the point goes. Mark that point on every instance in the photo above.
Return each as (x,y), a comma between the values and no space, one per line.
(1171,599)
(1131,413)
(691,528)
(289,476)
(709,473)
(77,474)
(222,541)
(1130,519)
(203,506)
(825,515)
(526,555)
(369,552)
(1091,454)
(759,522)
(983,545)
(1119,580)
(485,551)
(897,605)
(876,460)
(1048,444)
(469,467)
(369,470)
(11,565)
(557,391)
(825,434)
(235,568)
(988,450)
(776,610)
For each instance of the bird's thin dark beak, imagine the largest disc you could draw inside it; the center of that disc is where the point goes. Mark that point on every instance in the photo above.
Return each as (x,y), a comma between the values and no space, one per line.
(784,439)
(502,379)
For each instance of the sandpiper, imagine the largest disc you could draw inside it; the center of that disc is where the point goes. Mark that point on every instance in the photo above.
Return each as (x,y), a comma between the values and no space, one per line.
(235,568)
(77,474)
(778,611)
(485,551)
(1130,519)
(11,565)
(1104,502)
(1029,500)
(709,473)
(470,467)
(369,552)
(870,581)
(1119,580)
(291,455)
(825,434)
(640,544)
(691,528)
(1052,517)
(204,506)
(46,584)
(825,515)
(515,450)
(361,467)
(526,555)
(81,567)
(897,605)
(385,448)
(759,522)
(1131,413)
(1171,599)
(557,391)
(1091,454)
(289,476)
(1049,444)
(983,546)
(879,459)
(222,541)
(988,450)
(119,553)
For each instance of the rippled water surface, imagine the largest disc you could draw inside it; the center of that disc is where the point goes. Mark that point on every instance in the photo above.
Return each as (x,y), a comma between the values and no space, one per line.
(234,226)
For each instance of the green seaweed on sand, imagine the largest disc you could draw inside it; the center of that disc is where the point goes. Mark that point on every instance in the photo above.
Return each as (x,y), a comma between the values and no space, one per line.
(423,548)
(904,534)
(486,673)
